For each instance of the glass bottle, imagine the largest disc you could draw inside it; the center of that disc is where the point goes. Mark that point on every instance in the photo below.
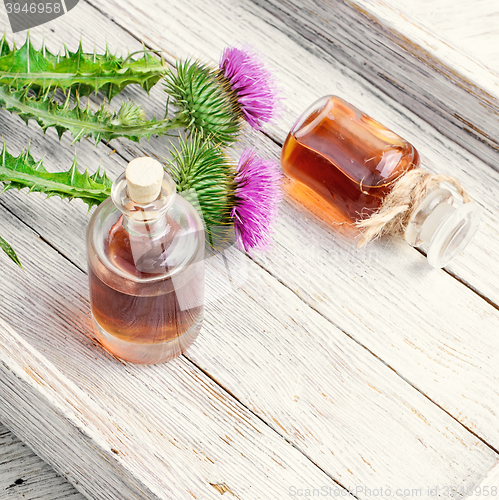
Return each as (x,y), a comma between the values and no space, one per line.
(145,249)
(352,162)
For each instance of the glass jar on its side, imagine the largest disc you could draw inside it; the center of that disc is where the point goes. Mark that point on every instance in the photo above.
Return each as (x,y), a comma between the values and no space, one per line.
(353,163)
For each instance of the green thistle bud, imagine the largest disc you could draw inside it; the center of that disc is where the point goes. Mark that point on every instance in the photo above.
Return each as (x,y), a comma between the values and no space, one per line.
(205,101)
(129,114)
(205,177)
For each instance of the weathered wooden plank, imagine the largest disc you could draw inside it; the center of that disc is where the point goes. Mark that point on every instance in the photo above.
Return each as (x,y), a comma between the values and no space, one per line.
(473,29)
(264,403)
(174,429)
(24,475)
(443,85)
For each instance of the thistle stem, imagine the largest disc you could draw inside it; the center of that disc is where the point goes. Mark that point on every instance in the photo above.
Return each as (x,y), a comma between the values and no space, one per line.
(80,122)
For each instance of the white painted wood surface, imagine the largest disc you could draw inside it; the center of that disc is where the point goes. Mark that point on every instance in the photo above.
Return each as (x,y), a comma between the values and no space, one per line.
(410,61)
(474,31)
(360,374)
(490,483)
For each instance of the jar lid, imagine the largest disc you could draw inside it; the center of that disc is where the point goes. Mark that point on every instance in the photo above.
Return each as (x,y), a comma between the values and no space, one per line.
(442,229)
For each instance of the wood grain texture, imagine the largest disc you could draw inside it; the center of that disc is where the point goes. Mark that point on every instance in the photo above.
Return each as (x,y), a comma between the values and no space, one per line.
(24,475)
(491,480)
(176,433)
(344,408)
(473,29)
(408,61)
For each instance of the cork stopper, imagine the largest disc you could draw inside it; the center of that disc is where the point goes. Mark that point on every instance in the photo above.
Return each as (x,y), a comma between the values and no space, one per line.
(144,179)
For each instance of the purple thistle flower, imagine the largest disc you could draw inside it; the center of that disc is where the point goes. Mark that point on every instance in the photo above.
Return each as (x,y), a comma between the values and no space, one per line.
(253,84)
(258,193)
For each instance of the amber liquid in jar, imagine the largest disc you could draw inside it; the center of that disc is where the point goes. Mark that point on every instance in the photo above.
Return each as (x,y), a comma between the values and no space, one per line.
(145,310)
(350,160)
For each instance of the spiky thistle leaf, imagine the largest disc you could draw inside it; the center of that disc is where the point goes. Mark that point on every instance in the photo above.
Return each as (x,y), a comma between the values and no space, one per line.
(129,121)
(4,47)
(205,177)
(24,172)
(206,104)
(78,72)
(10,252)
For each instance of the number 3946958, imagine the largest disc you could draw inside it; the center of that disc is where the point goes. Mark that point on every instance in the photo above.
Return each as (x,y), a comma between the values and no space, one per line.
(33,8)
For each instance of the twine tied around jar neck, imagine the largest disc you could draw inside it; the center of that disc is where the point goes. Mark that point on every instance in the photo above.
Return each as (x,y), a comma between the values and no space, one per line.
(403,200)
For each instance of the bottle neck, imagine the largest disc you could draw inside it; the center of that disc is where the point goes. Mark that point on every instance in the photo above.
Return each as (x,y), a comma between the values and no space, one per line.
(146,220)
(150,233)
(148,228)
(442,227)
